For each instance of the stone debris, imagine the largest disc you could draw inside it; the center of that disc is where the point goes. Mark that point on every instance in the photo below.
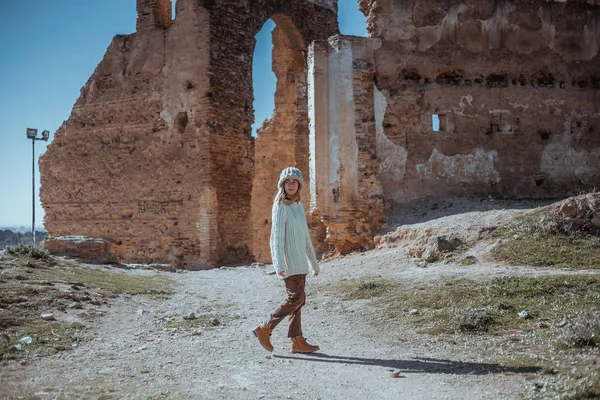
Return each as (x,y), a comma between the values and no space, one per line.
(562,323)
(190,317)
(398,374)
(575,215)
(26,340)
(525,314)
(438,246)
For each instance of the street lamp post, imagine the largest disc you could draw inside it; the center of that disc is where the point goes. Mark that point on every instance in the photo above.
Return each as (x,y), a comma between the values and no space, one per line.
(32,134)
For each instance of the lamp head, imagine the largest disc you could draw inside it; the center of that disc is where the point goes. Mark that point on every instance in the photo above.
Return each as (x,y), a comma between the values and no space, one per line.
(31,133)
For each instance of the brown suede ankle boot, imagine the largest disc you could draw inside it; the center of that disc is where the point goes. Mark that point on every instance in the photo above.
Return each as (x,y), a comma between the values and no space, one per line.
(299,345)
(264,337)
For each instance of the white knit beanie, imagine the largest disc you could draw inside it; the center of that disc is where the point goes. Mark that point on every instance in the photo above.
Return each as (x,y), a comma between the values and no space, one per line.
(290,172)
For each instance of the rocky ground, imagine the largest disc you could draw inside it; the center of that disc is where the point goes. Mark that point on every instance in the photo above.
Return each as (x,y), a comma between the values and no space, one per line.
(198,344)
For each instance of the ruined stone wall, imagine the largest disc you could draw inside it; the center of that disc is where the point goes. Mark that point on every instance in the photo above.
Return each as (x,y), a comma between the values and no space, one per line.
(129,165)
(157,157)
(515,84)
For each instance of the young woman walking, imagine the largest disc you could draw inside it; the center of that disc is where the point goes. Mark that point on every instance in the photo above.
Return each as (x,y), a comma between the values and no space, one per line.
(293,258)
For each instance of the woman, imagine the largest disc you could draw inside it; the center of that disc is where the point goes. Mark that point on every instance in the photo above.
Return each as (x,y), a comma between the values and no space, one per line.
(293,258)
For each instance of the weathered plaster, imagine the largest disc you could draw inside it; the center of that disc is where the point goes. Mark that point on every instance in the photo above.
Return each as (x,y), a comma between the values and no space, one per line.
(349,197)
(562,162)
(502,76)
(462,168)
(393,157)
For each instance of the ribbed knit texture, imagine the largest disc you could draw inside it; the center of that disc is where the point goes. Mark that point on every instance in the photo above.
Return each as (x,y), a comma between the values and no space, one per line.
(291,247)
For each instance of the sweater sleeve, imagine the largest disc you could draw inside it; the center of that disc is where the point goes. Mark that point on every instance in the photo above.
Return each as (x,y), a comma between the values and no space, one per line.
(278,237)
(310,250)
(310,254)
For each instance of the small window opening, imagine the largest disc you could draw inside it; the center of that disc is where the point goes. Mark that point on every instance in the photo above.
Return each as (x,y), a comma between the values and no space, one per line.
(439,122)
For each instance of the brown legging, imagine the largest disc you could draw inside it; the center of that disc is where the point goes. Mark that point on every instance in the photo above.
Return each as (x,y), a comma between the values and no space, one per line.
(294,286)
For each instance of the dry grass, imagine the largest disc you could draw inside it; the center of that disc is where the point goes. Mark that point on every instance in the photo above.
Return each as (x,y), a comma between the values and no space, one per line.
(558,324)
(545,238)
(364,288)
(31,251)
(473,320)
(578,252)
(583,330)
(33,283)
(468,260)
(588,388)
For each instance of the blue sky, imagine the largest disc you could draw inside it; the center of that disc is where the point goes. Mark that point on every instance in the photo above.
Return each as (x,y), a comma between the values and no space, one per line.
(49,49)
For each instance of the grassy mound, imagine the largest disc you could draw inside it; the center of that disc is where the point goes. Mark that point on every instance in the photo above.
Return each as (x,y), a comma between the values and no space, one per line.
(564,234)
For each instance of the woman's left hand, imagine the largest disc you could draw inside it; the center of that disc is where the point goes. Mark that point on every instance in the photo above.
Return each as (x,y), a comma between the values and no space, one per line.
(316,274)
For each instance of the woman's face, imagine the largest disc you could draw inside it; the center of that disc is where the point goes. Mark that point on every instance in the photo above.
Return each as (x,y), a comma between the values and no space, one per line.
(291,186)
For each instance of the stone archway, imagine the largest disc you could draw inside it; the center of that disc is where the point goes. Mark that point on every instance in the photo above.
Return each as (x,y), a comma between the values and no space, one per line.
(234,153)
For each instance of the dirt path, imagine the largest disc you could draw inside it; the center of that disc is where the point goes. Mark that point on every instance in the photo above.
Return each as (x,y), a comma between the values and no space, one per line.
(143,349)
(131,353)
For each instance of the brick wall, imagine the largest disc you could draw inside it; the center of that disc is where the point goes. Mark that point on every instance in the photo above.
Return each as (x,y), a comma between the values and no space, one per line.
(153,14)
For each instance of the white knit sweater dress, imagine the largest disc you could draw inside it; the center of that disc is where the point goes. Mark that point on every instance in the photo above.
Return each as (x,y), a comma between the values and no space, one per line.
(291,247)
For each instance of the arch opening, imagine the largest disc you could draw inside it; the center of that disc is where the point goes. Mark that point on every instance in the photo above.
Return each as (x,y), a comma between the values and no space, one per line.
(280,128)
(263,78)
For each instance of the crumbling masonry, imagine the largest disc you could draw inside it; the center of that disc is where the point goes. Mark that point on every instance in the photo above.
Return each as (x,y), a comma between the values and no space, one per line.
(157,162)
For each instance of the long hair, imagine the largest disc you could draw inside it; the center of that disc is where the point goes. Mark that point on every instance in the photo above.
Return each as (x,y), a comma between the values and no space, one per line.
(281,193)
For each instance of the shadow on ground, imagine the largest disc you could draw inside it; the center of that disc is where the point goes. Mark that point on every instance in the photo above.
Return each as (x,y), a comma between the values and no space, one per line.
(418,365)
